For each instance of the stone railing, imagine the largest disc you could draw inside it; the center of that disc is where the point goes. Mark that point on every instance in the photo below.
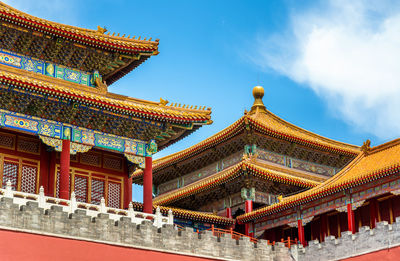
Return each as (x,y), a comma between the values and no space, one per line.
(383,237)
(58,221)
(69,206)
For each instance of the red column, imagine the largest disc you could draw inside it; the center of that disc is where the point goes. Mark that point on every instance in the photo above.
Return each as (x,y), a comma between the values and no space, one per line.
(44,168)
(373,213)
(301,232)
(127,192)
(52,173)
(247,227)
(350,219)
(228,212)
(324,227)
(148,186)
(64,169)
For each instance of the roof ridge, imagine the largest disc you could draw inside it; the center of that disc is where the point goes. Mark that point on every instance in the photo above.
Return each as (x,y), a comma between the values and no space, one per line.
(211,180)
(173,156)
(64,86)
(291,125)
(97,34)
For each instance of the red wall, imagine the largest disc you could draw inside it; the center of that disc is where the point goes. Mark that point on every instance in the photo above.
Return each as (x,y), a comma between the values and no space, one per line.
(25,246)
(382,255)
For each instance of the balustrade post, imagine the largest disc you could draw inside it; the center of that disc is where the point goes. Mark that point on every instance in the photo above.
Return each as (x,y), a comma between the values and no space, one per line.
(73,204)
(103,208)
(170,217)
(41,199)
(8,193)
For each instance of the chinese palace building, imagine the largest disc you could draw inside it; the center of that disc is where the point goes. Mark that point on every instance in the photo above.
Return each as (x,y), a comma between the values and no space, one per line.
(70,151)
(250,164)
(60,128)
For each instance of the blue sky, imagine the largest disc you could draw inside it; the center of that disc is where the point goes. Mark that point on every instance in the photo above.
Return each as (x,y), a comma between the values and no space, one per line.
(331,67)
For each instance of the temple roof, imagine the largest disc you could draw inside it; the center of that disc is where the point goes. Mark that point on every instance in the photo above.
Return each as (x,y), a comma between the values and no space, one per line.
(83,38)
(262,121)
(371,164)
(176,121)
(190,215)
(121,103)
(248,166)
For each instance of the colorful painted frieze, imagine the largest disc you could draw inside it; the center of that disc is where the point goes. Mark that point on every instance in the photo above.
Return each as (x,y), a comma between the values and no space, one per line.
(46,68)
(76,134)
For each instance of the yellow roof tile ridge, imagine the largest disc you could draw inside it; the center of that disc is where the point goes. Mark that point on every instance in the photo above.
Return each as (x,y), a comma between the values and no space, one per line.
(290,171)
(384,146)
(196,184)
(287,175)
(177,155)
(171,195)
(319,188)
(258,117)
(77,89)
(73,29)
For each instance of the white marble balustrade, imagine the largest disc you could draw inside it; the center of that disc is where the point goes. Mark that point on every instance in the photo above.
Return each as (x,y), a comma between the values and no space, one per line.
(21,198)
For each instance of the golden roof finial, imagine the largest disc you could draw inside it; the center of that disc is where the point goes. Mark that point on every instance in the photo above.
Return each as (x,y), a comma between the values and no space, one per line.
(258,105)
(101,30)
(366,147)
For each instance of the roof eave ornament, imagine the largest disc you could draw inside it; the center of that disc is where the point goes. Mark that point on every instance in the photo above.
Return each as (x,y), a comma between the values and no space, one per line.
(258,105)
(366,147)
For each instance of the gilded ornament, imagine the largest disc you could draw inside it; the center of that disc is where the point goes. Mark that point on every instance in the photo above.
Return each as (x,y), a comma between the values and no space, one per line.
(101,30)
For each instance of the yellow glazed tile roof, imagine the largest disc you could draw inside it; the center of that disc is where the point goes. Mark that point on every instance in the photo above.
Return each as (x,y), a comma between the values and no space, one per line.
(371,164)
(80,35)
(141,108)
(261,121)
(253,167)
(190,215)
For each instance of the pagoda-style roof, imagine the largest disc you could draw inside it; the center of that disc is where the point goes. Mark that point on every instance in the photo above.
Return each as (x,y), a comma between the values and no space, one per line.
(247,167)
(370,165)
(174,122)
(84,49)
(261,121)
(190,215)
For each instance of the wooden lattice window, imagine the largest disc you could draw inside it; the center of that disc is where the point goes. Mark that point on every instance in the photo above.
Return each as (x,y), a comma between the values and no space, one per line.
(81,188)
(28,178)
(91,158)
(91,187)
(23,174)
(7,141)
(97,192)
(114,194)
(112,163)
(10,173)
(28,145)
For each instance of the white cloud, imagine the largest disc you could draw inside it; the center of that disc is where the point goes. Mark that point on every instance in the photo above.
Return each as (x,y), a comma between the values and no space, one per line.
(348,52)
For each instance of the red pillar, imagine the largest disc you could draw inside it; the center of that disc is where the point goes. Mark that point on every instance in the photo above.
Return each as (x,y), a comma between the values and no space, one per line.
(228,212)
(148,186)
(44,168)
(324,227)
(52,173)
(350,218)
(127,192)
(373,213)
(300,228)
(247,227)
(64,169)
